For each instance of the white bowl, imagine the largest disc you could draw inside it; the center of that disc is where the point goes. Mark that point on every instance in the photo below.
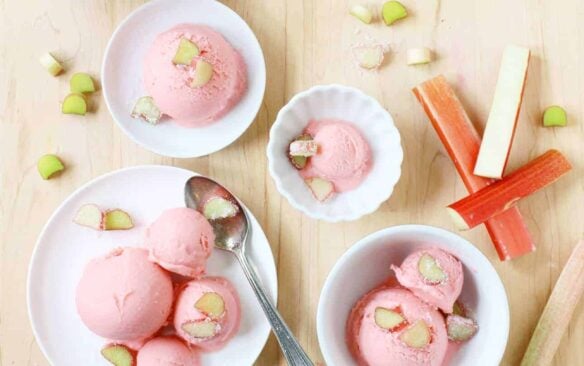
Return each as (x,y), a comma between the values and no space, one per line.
(122,76)
(372,120)
(366,264)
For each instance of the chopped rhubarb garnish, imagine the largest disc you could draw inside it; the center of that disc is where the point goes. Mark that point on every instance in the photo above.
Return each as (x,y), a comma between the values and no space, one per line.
(557,312)
(461,140)
(503,194)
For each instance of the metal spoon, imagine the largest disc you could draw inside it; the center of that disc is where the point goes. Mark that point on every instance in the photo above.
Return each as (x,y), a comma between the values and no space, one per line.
(232,234)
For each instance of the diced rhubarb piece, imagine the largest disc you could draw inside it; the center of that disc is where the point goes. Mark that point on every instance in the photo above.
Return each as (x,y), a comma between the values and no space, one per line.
(458,309)
(303,148)
(211,304)
(299,162)
(461,140)
(218,208)
(419,56)
(321,189)
(555,116)
(503,194)
(500,129)
(146,109)
(430,270)
(201,328)
(369,57)
(389,319)
(362,13)
(51,64)
(557,312)
(459,328)
(90,215)
(118,355)
(117,220)
(417,336)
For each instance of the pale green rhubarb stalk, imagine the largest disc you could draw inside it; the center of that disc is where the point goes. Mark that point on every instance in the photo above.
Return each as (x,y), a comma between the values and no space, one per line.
(557,312)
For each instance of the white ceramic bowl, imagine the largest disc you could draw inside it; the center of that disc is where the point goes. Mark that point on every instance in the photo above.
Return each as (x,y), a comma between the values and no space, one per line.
(122,76)
(372,120)
(366,264)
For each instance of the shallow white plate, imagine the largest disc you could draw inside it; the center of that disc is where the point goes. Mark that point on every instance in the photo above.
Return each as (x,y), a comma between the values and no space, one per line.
(122,76)
(370,118)
(64,248)
(367,264)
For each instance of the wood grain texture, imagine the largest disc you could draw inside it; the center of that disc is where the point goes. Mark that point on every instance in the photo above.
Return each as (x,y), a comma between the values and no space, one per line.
(305,43)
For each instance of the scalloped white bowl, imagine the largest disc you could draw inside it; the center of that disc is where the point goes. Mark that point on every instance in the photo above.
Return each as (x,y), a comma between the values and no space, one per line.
(372,120)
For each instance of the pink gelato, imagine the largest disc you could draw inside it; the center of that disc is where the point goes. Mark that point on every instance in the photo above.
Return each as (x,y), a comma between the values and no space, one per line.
(170,84)
(167,351)
(227,324)
(372,345)
(181,241)
(124,297)
(343,157)
(443,294)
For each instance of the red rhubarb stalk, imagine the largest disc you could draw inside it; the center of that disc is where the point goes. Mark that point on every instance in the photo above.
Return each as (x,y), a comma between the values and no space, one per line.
(503,194)
(557,312)
(461,140)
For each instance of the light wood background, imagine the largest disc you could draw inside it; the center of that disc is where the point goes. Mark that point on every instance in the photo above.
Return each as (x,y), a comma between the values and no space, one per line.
(305,42)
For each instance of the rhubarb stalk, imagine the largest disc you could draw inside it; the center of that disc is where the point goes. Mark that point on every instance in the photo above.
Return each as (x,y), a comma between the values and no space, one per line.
(461,140)
(503,194)
(557,312)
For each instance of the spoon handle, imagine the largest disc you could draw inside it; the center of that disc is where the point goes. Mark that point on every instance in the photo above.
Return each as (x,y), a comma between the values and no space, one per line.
(292,350)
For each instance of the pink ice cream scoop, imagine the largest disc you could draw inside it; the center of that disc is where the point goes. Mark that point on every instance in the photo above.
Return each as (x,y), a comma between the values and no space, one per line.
(207,313)
(181,241)
(170,84)
(124,297)
(373,343)
(343,156)
(433,275)
(167,351)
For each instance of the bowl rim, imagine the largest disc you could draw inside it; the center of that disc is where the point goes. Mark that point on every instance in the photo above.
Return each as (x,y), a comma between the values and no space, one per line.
(387,232)
(105,84)
(279,121)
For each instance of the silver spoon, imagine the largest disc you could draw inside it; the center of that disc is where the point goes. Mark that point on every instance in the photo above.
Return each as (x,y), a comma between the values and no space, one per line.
(232,234)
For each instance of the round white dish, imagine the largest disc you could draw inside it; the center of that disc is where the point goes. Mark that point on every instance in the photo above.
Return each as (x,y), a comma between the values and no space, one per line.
(371,119)
(122,76)
(64,248)
(367,264)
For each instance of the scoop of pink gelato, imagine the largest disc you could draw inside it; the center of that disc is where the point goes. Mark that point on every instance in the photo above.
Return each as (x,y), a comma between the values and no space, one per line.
(124,297)
(343,157)
(226,324)
(181,241)
(167,351)
(442,294)
(375,346)
(170,84)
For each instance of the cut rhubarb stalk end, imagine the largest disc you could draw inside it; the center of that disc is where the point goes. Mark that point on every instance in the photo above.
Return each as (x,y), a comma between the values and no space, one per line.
(458,309)
(507,230)
(558,311)
(201,329)
(185,52)
(118,355)
(503,194)
(74,103)
(369,57)
(460,329)
(81,83)
(118,220)
(362,13)
(51,64)
(146,109)
(321,189)
(393,11)
(303,148)
(419,56)
(430,270)
(211,304)
(389,319)
(218,208)
(49,165)
(555,116)
(90,215)
(299,162)
(203,73)
(416,336)
(500,128)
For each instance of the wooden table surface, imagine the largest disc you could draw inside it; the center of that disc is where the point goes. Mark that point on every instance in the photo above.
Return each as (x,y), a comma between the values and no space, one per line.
(305,43)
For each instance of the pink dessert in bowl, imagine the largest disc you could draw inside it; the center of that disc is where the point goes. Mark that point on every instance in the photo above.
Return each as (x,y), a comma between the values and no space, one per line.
(167,351)
(207,313)
(194,75)
(124,297)
(181,241)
